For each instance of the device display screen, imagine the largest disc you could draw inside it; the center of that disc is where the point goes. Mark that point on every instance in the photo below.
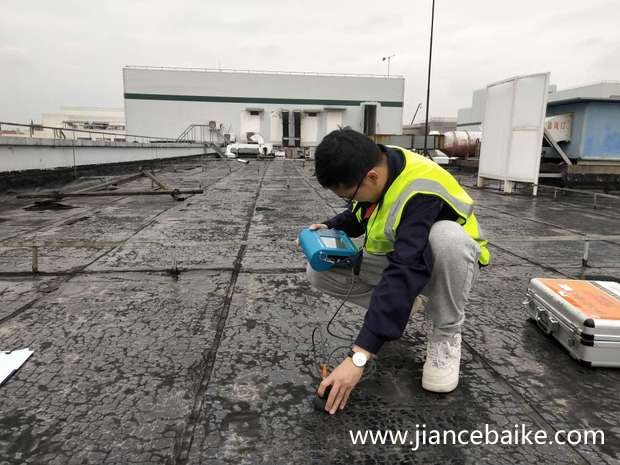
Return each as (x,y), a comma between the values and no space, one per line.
(333,243)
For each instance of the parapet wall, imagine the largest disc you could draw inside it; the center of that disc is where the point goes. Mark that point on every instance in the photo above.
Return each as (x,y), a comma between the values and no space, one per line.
(23,154)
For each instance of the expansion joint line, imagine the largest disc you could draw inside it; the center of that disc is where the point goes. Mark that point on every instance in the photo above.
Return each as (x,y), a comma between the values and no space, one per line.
(546,223)
(316,191)
(540,419)
(70,274)
(57,222)
(73,272)
(184,441)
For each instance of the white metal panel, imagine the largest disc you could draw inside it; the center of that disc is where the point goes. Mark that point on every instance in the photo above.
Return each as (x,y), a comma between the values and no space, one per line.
(527,128)
(528,109)
(249,123)
(513,129)
(333,120)
(309,129)
(524,165)
(275,117)
(496,131)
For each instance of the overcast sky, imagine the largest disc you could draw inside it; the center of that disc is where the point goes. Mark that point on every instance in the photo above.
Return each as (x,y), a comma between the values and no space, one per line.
(71,52)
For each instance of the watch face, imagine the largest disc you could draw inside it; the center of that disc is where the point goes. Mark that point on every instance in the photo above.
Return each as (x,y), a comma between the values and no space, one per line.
(359,359)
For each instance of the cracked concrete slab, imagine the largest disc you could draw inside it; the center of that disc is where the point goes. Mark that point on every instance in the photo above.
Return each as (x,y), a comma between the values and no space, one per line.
(17,292)
(212,362)
(262,389)
(114,369)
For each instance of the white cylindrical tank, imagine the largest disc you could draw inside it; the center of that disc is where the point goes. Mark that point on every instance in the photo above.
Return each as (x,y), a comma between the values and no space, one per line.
(460,143)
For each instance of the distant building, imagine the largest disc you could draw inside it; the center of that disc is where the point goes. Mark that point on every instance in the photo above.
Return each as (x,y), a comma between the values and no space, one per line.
(470,119)
(13,132)
(286,109)
(584,120)
(435,124)
(109,123)
(591,115)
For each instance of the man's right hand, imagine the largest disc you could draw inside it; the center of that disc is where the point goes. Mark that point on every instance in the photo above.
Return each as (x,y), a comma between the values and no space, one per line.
(313,227)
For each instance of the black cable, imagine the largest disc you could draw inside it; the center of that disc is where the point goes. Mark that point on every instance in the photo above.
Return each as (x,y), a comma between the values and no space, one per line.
(314,343)
(323,342)
(346,297)
(354,273)
(369,369)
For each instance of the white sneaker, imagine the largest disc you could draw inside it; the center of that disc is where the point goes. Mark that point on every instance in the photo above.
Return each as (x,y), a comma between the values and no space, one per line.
(443,359)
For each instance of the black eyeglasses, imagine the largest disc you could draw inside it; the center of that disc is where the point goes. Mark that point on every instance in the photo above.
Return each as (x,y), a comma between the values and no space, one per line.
(359,184)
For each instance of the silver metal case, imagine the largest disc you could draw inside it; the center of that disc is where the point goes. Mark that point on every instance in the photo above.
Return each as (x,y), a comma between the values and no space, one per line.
(584,316)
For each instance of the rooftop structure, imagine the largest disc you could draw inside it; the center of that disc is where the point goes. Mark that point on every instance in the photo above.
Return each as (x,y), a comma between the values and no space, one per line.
(600,91)
(435,124)
(287,109)
(470,118)
(110,120)
(588,118)
(181,332)
(593,115)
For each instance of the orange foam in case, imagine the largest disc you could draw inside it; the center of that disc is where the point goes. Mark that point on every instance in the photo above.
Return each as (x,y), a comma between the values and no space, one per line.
(591,300)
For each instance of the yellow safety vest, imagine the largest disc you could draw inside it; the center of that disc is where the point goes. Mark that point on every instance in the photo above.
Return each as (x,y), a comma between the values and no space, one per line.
(420,175)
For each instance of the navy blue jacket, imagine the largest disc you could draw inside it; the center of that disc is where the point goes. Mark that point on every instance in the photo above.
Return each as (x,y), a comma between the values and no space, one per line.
(410,264)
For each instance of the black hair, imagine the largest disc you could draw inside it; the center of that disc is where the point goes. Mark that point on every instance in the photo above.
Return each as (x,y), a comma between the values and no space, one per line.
(343,158)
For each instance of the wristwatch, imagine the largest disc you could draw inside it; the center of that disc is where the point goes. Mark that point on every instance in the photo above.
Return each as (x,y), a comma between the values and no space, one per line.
(359,358)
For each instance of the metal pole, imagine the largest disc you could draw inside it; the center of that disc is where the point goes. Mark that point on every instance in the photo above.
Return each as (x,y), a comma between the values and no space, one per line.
(119,193)
(74,166)
(35,259)
(388,58)
(416,112)
(428,84)
(586,253)
(412,120)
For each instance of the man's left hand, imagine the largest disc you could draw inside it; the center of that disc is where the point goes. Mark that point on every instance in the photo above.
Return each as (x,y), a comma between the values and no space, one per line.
(342,380)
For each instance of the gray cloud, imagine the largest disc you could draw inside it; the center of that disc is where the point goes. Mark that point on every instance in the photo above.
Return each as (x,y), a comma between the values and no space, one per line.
(72,52)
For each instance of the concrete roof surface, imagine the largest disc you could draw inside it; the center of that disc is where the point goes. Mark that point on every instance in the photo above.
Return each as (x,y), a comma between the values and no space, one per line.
(135,364)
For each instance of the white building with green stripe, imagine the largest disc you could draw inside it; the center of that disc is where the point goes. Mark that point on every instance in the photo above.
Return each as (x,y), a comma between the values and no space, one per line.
(287,109)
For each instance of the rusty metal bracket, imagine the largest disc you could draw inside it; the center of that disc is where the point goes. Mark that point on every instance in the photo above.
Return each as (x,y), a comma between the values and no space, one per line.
(162,185)
(96,191)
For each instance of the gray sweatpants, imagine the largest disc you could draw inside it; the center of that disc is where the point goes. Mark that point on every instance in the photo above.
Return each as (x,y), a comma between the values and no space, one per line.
(455,271)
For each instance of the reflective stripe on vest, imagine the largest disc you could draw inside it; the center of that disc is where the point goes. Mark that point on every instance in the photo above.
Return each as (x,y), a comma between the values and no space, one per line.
(419,176)
(424,186)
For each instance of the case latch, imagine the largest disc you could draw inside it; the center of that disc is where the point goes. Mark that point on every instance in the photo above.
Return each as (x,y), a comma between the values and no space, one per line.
(546,322)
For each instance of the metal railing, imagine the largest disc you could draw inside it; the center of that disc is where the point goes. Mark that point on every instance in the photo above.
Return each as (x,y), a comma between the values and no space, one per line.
(61,133)
(587,240)
(596,196)
(195,133)
(251,71)
(200,133)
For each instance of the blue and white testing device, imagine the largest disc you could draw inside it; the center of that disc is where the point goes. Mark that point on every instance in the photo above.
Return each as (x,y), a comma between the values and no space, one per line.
(328,248)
